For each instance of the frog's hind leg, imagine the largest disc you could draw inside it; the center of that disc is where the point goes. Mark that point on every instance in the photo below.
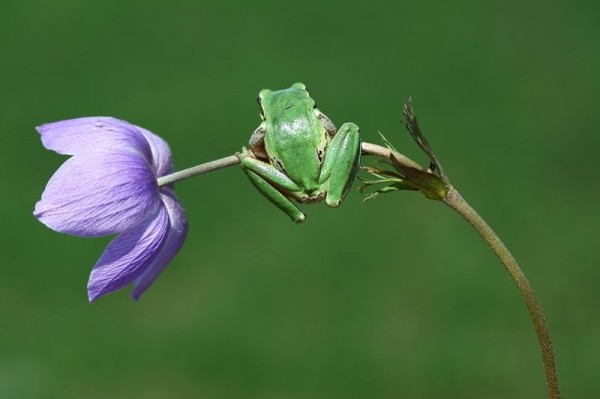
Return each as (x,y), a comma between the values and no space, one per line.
(341,163)
(263,176)
(276,197)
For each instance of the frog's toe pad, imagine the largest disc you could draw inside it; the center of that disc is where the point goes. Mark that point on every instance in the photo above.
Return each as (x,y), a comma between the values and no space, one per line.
(334,203)
(299,218)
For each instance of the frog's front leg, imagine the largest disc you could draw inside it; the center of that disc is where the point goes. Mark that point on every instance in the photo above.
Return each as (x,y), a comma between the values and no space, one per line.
(266,178)
(341,163)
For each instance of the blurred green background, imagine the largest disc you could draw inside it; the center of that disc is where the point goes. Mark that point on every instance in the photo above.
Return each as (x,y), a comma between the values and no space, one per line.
(392,298)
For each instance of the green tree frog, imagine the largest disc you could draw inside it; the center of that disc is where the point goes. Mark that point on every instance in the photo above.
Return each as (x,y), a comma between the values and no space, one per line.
(297,152)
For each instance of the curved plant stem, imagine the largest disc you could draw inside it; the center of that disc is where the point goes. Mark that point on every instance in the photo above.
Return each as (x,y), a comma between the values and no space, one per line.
(455,201)
(231,160)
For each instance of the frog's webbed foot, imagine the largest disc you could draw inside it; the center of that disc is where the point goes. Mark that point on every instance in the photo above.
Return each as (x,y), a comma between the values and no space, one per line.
(257,142)
(341,163)
(273,184)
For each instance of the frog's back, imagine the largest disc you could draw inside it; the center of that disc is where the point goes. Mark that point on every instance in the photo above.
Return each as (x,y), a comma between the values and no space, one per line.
(295,139)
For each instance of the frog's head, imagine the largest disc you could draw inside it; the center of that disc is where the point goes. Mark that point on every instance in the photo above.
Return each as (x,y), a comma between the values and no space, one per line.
(278,101)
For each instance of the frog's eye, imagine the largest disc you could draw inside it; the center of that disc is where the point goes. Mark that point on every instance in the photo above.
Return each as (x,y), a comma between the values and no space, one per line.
(260,107)
(300,86)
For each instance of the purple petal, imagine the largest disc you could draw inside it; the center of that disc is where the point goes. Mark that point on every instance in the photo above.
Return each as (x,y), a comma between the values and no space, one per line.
(128,255)
(162,163)
(84,135)
(175,238)
(99,193)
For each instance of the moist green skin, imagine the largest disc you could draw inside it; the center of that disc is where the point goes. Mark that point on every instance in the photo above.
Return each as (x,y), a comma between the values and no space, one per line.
(297,153)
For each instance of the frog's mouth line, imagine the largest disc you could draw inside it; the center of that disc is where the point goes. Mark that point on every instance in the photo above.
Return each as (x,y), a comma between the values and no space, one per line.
(290,106)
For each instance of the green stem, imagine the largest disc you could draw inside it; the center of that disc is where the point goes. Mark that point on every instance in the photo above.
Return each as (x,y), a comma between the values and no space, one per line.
(231,160)
(455,201)
(199,170)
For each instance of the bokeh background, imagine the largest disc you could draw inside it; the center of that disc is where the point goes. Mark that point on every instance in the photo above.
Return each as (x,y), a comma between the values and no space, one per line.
(392,298)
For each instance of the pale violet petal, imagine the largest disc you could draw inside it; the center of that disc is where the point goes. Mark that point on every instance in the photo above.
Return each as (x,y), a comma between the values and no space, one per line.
(99,193)
(128,255)
(84,135)
(178,227)
(162,163)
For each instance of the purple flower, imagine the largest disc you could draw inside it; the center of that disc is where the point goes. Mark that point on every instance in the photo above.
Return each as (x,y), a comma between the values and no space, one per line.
(109,186)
